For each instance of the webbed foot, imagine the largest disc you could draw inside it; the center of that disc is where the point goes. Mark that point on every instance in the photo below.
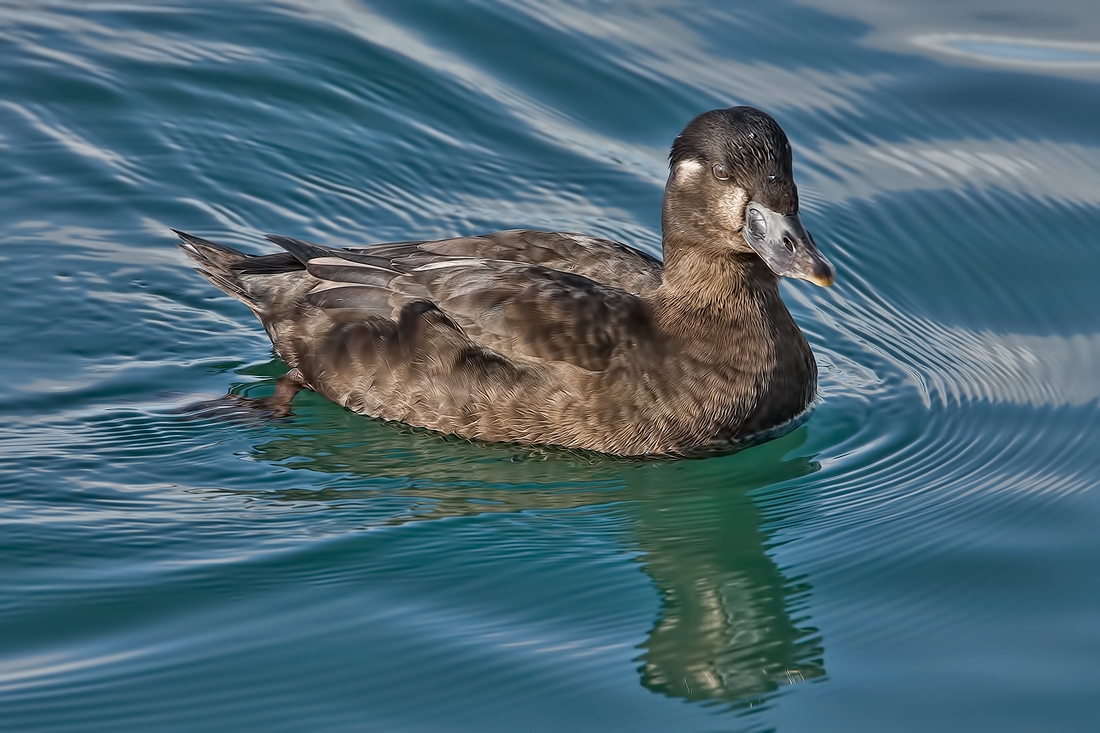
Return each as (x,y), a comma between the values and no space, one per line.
(235,406)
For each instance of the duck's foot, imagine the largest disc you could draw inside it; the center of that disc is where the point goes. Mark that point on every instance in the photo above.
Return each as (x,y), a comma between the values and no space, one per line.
(286,387)
(234,406)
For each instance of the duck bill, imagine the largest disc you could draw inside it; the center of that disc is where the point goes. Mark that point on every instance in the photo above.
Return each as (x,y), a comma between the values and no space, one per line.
(785,245)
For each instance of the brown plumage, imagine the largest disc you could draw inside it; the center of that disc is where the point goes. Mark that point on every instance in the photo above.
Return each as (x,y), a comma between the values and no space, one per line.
(565,339)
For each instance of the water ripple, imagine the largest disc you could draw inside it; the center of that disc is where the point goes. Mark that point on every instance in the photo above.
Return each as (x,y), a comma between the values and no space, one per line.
(172,555)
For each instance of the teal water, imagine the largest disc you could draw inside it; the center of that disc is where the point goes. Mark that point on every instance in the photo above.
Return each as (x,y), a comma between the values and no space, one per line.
(922,555)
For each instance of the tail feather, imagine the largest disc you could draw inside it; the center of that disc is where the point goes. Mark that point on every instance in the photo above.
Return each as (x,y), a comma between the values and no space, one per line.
(207,253)
(231,287)
(303,251)
(216,263)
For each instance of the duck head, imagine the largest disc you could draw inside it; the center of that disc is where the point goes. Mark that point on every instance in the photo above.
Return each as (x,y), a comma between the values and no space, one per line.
(731,191)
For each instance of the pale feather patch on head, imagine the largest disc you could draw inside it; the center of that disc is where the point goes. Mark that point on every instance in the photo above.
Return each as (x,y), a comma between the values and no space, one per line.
(688,168)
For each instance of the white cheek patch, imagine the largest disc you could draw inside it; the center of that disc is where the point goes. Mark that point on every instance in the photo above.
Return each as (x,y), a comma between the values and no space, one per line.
(688,169)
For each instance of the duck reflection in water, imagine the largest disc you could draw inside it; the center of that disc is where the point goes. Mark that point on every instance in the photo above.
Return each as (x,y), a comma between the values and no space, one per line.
(725,632)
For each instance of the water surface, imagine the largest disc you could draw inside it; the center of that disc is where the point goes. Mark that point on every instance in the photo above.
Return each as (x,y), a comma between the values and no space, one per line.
(921,555)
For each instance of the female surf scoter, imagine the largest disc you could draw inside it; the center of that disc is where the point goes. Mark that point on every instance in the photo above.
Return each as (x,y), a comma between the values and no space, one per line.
(564,339)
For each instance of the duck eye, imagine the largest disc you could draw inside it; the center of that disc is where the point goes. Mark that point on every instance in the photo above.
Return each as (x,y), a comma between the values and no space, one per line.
(720,172)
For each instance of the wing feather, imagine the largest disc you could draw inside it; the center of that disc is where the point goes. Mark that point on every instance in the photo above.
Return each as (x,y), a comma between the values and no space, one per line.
(540,295)
(369,299)
(537,312)
(602,260)
(336,269)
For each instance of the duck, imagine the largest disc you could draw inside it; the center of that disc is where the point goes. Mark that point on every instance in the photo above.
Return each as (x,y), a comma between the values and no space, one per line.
(564,339)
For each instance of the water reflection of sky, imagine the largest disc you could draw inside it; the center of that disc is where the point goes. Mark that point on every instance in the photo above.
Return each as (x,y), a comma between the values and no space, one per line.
(1014,51)
(1061,38)
(1042,169)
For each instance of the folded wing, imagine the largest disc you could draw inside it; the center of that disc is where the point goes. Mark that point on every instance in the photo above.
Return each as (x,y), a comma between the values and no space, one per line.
(522,294)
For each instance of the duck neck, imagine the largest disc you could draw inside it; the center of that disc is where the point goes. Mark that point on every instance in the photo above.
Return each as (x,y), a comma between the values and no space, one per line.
(712,278)
(723,309)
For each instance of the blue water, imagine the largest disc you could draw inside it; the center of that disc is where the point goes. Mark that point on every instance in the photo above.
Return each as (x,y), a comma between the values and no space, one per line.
(922,555)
